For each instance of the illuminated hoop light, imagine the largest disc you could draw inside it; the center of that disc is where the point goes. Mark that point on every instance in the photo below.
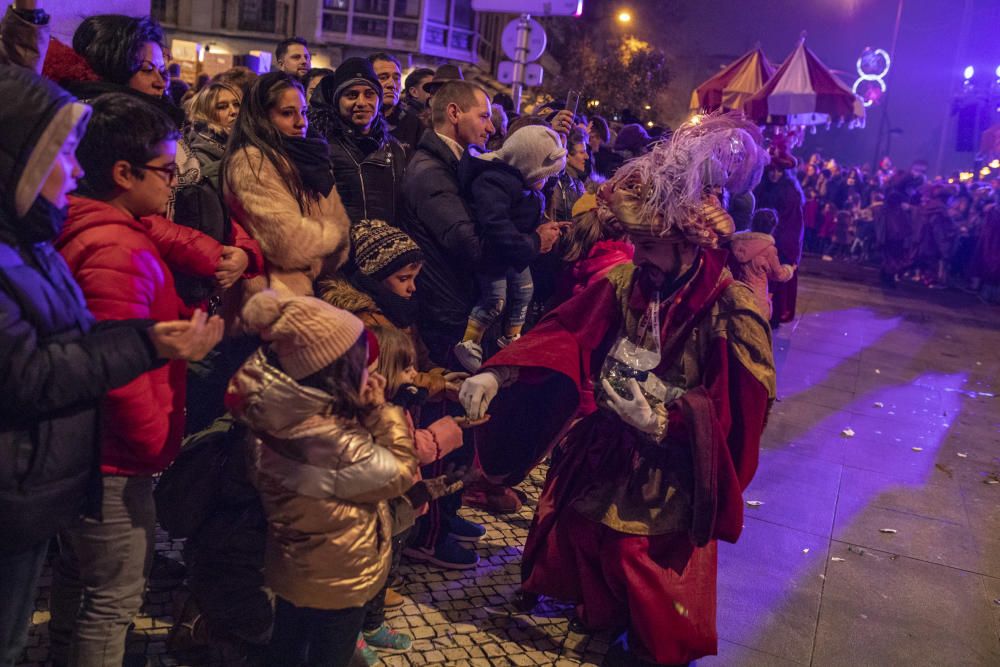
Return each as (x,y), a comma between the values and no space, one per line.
(869,76)
(857,84)
(881,75)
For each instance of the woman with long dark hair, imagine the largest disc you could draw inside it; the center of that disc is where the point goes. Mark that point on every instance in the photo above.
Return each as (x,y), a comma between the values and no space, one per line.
(113,53)
(279,186)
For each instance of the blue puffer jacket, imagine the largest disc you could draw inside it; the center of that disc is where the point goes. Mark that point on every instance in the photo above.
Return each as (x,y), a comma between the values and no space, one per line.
(55,364)
(506,210)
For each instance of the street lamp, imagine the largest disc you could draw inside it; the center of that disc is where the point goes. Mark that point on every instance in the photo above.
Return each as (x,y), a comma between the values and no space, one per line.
(624,16)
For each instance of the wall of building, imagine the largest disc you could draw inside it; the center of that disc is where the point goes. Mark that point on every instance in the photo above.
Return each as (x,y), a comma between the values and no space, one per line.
(67,14)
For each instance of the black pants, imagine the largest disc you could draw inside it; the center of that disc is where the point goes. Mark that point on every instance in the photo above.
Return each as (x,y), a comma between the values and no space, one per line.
(19,575)
(432,528)
(313,637)
(375,609)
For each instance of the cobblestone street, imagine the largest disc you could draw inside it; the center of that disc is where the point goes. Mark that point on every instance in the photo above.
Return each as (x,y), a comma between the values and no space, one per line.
(873,537)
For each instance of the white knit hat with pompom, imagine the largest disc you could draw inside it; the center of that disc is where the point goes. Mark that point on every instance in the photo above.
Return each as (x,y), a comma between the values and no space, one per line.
(306,333)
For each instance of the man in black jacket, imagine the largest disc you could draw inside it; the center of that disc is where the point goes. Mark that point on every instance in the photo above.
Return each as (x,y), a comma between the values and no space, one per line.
(438,219)
(55,362)
(368,162)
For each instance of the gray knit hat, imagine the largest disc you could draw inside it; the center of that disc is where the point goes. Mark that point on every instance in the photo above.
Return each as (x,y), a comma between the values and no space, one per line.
(535,151)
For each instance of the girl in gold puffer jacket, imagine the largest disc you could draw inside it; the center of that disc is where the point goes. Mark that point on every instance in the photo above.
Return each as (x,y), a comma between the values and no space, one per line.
(329,452)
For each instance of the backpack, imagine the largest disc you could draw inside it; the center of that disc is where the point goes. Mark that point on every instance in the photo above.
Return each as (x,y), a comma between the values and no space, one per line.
(190,490)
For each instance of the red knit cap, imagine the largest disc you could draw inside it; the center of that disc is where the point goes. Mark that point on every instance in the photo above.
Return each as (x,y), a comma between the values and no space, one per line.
(306,333)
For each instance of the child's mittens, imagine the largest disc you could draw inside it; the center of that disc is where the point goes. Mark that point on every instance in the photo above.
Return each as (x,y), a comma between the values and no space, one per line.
(427,490)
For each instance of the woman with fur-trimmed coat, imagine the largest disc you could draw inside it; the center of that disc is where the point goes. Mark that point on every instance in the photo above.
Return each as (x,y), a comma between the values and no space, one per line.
(279,186)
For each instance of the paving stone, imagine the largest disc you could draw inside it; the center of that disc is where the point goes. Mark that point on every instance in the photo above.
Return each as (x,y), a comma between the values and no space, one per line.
(928,591)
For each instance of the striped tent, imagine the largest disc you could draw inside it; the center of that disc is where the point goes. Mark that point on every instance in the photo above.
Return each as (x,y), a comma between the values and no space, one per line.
(733,86)
(804,92)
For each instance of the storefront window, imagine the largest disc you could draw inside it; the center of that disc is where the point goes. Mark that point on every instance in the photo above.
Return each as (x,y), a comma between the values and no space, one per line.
(370,27)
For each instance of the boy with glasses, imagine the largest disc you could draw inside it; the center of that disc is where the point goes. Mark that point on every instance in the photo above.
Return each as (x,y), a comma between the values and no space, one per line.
(118,250)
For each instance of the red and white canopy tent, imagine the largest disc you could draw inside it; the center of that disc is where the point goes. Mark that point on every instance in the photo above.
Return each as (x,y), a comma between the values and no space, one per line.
(733,86)
(804,92)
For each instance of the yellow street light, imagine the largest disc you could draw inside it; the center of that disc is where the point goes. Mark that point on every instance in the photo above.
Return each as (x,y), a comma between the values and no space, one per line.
(985,171)
(995,164)
(624,16)
(649,123)
(647,107)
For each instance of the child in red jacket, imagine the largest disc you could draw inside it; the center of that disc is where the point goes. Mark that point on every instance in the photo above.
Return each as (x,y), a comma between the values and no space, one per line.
(118,250)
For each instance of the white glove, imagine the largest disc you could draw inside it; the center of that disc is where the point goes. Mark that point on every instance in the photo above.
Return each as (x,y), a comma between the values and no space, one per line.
(476,394)
(636,412)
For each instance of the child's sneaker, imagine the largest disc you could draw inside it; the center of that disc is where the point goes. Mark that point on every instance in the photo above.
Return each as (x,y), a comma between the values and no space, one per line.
(464,530)
(448,554)
(388,640)
(366,652)
(504,341)
(469,353)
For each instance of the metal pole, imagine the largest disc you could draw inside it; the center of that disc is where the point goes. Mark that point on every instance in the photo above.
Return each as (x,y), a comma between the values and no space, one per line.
(882,130)
(963,36)
(520,60)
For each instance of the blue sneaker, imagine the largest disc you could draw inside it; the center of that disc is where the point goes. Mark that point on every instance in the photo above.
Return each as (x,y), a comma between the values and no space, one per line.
(448,554)
(388,640)
(464,530)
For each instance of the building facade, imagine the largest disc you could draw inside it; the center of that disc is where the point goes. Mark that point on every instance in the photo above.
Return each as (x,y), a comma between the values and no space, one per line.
(420,32)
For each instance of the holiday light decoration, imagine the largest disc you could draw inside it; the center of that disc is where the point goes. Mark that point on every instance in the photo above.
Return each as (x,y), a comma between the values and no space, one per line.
(873,65)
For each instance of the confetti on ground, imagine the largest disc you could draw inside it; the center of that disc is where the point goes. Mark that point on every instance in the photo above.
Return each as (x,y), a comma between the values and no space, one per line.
(805,551)
(755,503)
(878,372)
(963,455)
(847,432)
(837,559)
(887,531)
(879,404)
(917,449)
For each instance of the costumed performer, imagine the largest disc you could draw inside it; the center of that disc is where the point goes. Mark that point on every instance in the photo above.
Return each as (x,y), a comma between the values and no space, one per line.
(678,358)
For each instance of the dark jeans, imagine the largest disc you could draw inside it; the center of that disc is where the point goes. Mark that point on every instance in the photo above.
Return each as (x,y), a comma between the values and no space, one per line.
(18,581)
(375,609)
(313,637)
(432,528)
(513,290)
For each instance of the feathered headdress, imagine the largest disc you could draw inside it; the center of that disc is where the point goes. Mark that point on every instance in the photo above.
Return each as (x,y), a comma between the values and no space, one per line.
(668,192)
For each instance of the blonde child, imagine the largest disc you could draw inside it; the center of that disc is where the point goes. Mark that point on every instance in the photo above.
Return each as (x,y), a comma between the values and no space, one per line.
(329,452)
(397,363)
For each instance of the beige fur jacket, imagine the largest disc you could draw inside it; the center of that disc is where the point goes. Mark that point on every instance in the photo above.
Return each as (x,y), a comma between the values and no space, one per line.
(298,247)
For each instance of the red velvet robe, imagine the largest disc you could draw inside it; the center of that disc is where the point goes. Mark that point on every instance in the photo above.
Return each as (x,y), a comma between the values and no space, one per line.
(661,585)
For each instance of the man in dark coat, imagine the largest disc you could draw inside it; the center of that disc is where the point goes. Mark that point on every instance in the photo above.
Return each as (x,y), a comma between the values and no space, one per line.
(55,362)
(368,162)
(781,191)
(437,217)
(415,111)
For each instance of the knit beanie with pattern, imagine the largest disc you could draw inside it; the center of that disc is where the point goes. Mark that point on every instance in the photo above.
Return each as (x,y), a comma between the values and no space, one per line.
(380,249)
(306,334)
(535,151)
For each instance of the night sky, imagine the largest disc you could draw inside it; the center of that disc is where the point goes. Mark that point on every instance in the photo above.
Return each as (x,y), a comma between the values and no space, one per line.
(701,35)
